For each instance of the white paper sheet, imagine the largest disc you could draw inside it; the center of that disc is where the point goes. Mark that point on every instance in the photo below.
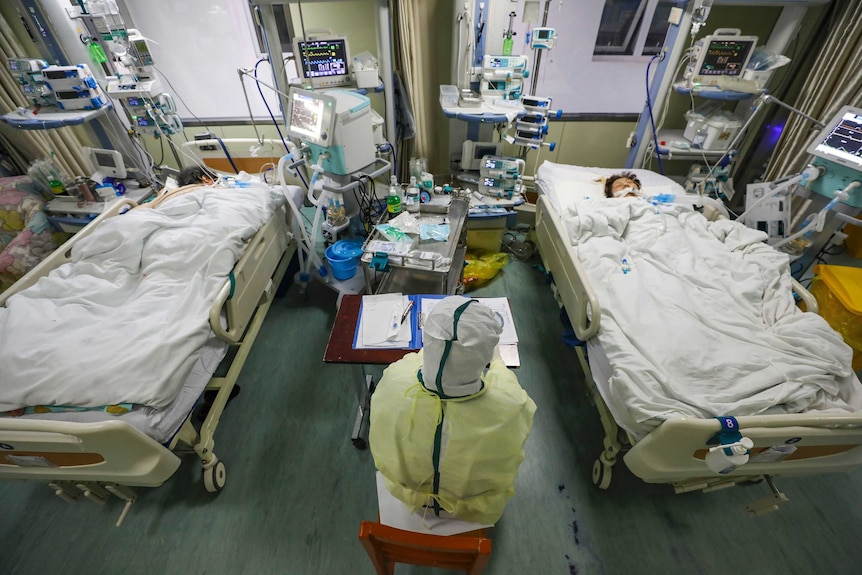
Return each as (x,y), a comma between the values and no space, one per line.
(380,324)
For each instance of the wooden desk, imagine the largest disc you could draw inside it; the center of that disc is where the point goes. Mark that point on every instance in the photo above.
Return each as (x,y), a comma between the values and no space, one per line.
(339,349)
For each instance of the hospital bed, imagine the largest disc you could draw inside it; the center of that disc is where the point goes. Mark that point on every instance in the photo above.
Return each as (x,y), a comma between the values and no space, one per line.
(674,452)
(95,454)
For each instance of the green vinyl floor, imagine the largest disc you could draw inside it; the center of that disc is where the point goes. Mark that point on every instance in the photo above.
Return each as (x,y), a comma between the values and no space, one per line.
(297,489)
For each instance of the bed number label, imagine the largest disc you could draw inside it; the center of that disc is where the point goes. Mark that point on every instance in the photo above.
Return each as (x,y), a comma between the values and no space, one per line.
(728,423)
(7,446)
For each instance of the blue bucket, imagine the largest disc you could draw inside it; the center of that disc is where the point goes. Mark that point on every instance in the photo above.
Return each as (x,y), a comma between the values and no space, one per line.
(343,257)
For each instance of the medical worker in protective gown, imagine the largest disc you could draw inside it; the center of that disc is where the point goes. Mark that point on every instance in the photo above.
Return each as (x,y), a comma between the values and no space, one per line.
(446,433)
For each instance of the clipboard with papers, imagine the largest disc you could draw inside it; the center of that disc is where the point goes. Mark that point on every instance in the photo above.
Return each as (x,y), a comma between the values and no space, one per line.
(388,321)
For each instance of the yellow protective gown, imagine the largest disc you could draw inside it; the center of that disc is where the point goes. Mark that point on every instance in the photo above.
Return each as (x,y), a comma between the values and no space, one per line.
(480,440)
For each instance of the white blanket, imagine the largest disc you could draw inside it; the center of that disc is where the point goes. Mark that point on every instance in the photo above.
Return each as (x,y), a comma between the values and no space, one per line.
(124,320)
(698,318)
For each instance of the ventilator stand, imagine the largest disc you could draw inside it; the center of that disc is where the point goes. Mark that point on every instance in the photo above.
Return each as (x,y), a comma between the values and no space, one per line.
(770,503)
(336,186)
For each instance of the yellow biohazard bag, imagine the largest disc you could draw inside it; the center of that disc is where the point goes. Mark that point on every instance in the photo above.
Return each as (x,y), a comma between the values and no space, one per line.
(482,267)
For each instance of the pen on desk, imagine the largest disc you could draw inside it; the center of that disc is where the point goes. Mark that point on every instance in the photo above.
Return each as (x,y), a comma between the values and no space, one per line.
(406,313)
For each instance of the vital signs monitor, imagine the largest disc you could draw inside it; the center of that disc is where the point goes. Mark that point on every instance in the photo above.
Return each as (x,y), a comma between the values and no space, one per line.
(723,54)
(322,62)
(840,141)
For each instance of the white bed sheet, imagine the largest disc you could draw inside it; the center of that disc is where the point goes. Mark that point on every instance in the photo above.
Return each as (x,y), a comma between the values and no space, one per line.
(147,279)
(159,424)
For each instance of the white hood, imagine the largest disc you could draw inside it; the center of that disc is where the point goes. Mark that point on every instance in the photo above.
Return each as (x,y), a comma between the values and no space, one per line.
(458,341)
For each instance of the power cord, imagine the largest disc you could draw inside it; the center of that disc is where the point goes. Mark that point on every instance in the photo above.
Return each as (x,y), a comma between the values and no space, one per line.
(651,119)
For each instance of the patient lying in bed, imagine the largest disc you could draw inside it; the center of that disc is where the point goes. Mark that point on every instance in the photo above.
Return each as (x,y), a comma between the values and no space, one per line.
(698,318)
(622,185)
(127,318)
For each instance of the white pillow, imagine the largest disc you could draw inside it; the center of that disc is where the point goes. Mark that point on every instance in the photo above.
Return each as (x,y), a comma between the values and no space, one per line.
(566,184)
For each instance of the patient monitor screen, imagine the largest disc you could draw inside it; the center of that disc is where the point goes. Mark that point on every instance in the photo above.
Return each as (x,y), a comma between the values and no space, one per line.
(725,58)
(842,140)
(323,59)
(306,117)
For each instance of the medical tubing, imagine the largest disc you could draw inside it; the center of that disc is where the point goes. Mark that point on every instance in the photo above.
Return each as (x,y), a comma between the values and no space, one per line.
(248,105)
(227,154)
(778,189)
(805,229)
(651,119)
(305,240)
(315,172)
(315,228)
(265,103)
(301,178)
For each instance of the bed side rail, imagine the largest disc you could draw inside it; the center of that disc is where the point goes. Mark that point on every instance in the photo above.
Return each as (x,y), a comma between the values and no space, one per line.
(104,452)
(676,450)
(806,296)
(252,280)
(561,260)
(63,254)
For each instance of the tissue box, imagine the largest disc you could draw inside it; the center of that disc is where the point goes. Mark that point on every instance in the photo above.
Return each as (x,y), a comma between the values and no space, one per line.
(448,96)
(365,71)
(366,78)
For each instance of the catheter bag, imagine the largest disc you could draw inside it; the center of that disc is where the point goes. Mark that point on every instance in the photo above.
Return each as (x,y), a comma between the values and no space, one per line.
(481,268)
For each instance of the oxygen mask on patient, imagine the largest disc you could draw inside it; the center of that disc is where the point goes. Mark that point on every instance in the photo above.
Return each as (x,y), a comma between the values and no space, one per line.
(628,191)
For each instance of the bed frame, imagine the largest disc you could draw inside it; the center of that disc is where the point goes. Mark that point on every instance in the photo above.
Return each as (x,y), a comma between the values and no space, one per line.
(97,460)
(675,451)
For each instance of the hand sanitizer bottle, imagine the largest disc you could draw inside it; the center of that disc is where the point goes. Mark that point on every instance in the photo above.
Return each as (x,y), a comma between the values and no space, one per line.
(393,202)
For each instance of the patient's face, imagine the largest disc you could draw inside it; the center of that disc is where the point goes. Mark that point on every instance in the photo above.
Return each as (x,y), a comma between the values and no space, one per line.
(621,184)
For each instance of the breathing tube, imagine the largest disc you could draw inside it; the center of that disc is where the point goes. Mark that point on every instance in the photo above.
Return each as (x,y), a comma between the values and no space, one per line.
(318,203)
(307,243)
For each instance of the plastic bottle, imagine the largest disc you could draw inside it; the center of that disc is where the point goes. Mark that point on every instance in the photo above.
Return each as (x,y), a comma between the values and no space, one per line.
(393,202)
(412,198)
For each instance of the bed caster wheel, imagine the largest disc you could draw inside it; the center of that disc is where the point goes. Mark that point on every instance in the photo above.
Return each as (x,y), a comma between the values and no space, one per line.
(215,477)
(601,475)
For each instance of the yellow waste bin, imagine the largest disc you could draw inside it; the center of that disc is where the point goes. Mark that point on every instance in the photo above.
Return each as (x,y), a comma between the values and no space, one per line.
(838,290)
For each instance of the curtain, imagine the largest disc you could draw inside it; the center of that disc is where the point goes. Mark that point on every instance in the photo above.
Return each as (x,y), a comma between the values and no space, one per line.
(835,80)
(408,62)
(418,53)
(26,145)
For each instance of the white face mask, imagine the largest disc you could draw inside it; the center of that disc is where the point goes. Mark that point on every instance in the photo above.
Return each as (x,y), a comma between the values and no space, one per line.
(626,191)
